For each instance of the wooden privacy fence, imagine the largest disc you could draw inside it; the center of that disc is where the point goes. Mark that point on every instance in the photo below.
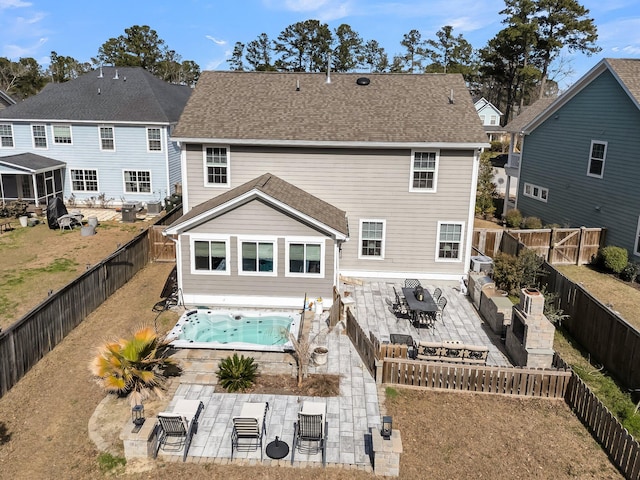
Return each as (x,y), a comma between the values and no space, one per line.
(24,343)
(367,346)
(601,331)
(622,448)
(556,245)
(521,382)
(163,248)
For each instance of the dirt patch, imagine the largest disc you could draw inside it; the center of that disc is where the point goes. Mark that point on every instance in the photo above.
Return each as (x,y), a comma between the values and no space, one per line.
(317,385)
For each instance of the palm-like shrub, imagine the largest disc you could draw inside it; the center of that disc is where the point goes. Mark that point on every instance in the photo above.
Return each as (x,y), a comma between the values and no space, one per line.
(237,373)
(133,366)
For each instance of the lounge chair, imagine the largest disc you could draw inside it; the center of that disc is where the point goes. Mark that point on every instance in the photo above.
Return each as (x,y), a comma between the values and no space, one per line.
(249,428)
(176,428)
(310,431)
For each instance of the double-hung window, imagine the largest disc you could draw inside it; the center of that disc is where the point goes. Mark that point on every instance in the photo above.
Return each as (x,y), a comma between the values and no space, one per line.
(424,166)
(210,256)
(216,161)
(305,257)
(257,257)
(154,139)
(62,134)
(39,136)
(137,181)
(84,180)
(449,241)
(372,233)
(597,157)
(6,136)
(107,139)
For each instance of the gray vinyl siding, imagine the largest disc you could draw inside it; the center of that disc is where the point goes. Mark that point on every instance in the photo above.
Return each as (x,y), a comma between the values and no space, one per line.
(367,184)
(175,172)
(84,153)
(256,218)
(556,156)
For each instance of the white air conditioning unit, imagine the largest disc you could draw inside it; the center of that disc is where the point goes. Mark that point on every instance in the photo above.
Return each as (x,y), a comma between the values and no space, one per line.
(481,263)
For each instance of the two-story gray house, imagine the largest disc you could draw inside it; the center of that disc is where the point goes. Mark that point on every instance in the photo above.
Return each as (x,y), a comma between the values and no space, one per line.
(292,180)
(106,133)
(578,163)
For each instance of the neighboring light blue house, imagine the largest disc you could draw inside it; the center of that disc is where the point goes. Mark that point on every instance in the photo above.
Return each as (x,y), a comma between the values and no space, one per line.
(490,118)
(106,133)
(579,157)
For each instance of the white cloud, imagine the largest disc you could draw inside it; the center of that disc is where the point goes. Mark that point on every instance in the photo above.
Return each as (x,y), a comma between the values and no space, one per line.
(215,40)
(304,5)
(13,4)
(17,51)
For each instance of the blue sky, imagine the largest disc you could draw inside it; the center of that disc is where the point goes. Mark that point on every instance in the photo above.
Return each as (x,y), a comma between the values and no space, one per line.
(206,30)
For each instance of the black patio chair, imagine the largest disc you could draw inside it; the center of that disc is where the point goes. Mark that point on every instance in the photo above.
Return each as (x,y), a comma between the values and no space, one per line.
(437,293)
(442,302)
(310,431)
(411,283)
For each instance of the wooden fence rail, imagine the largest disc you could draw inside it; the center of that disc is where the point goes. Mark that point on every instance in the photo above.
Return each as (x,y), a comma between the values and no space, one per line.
(520,382)
(367,346)
(24,343)
(622,448)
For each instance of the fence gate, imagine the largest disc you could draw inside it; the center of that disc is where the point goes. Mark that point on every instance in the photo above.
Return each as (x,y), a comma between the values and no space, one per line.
(163,248)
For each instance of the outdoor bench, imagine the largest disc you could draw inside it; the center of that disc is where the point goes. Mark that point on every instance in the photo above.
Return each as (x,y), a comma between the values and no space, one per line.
(452,352)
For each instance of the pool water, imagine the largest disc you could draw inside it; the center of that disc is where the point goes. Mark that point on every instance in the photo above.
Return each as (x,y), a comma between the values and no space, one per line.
(234,330)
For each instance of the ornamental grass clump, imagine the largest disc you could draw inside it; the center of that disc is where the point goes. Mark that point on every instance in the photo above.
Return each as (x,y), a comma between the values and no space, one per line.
(134,366)
(237,373)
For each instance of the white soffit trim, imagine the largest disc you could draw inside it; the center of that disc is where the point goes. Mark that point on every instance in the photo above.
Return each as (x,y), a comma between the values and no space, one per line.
(245,198)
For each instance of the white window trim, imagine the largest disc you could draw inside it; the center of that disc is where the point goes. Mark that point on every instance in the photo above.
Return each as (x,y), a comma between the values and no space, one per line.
(462,239)
(384,239)
(113,130)
(13,139)
(161,139)
(306,240)
(53,134)
(33,137)
(435,171)
(258,239)
(85,191)
(204,167)
(604,158)
(210,238)
(530,194)
(124,182)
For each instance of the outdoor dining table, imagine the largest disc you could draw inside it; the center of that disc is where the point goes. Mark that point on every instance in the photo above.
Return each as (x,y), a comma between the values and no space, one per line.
(426,305)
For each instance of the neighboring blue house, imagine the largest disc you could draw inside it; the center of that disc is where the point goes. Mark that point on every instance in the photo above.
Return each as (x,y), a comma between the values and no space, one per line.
(106,133)
(579,157)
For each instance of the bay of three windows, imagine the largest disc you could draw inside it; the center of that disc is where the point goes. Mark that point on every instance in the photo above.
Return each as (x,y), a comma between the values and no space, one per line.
(61,135)
(258,257)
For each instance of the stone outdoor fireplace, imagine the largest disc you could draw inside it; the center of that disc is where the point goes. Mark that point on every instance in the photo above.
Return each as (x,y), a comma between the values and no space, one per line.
(529,339)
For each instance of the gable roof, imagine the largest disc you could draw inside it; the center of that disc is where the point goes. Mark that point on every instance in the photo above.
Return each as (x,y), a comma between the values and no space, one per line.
(134,96)
(6,99)
(28,163)
(528,114)
(625,70)
(303,108)
(484,103)
(275,191)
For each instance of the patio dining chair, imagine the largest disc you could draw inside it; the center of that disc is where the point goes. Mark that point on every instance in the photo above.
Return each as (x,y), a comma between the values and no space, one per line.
(177,428)
(437,293)
(400,308)
(249,428)
(411,283)
(442,302)
(310,431)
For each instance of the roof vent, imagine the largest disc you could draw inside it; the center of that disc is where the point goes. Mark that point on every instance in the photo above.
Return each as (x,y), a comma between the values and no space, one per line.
(100,75)
(363,81)
(115,77)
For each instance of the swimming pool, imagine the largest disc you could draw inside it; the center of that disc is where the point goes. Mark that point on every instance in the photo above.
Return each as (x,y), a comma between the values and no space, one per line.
(225,330)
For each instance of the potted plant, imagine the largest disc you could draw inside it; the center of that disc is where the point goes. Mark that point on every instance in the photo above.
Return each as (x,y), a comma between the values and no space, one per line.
(320,354)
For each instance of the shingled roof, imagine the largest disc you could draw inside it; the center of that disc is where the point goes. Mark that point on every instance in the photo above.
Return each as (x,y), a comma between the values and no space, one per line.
(133,95)
(528,114)
(30,162)
(276,190)
(304,108)
(628,72)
